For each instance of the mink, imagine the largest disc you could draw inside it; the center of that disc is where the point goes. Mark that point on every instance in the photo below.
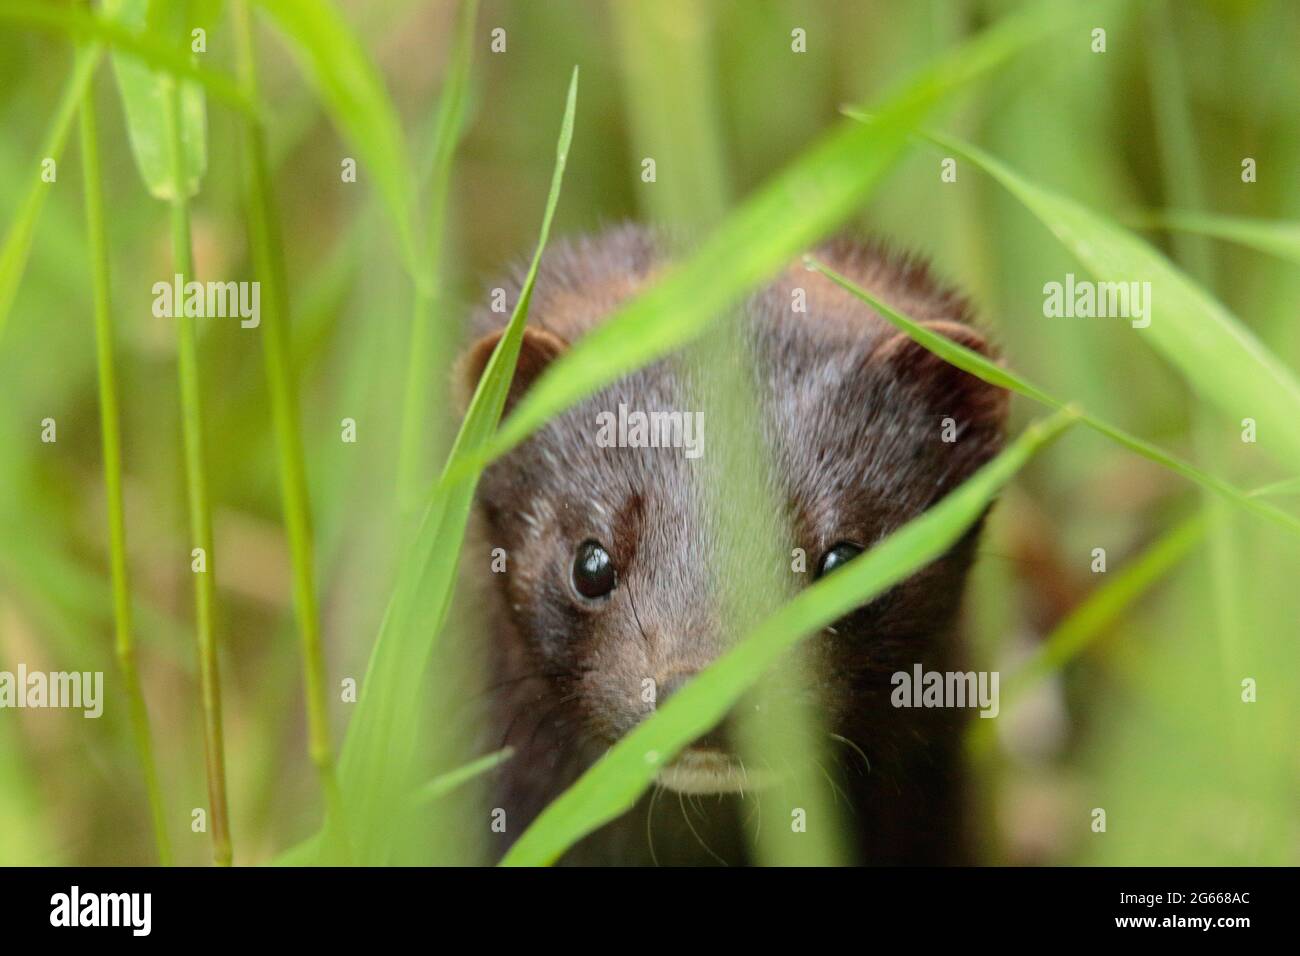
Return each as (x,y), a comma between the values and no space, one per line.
(608,549)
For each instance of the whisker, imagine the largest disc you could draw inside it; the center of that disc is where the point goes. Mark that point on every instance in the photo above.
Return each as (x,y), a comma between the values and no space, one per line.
(854,747)
(698,839)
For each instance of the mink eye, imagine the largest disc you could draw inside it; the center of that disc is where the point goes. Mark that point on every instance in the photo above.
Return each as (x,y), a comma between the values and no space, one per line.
(593,571)
(837,556)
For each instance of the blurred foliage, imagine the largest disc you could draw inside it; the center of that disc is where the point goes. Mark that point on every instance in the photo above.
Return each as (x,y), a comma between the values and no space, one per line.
(1144,719)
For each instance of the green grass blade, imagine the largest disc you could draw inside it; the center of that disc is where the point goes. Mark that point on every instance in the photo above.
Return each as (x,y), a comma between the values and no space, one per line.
(308,851)
(1276,238)
(376,750)
(1288,486)
(982,368)
(18,240)
(445,783)
(414,443)
(353,92)
(1104,605)
(196,482)
(268,257)
(1220,358)
(615,782)
(780,221)
(1093,616)
(81,25)
(111,437)
(144,93)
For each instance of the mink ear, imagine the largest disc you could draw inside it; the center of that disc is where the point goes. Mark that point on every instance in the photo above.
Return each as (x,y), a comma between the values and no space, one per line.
(951,391)
(537,349)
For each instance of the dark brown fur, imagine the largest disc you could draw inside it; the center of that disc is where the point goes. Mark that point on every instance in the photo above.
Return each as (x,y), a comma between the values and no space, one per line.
(851,413)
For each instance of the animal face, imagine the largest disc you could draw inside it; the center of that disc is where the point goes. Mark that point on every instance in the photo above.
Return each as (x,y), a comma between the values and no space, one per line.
(623,570)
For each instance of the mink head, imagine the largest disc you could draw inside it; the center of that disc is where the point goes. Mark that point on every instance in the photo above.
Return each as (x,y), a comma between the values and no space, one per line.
(616,565)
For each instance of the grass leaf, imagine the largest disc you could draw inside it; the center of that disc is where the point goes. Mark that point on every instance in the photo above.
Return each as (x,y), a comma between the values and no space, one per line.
(780,221)
(1277,238)
(144,92)
(375,758)
(1220,358)
(615,782)
(265,241)
(18,240)
(82,25)
(445,783)
(1105,605)
(416,438)
(982,368)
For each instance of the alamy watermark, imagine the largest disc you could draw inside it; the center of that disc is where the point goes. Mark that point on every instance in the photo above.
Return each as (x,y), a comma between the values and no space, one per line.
(82,690)
(922,688)
(212,300)
(1084,299)
(638,429)
(133,911)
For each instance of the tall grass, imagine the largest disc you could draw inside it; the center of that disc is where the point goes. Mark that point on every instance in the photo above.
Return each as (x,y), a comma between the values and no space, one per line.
(200,506)
(18,239)
(1218,355)
(376,753)
(786,216)
(166,123)
(1230,370)
(111,439)
(268,254)
(431,289)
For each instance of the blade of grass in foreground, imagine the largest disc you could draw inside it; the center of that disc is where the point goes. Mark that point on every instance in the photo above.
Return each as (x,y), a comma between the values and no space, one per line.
(110,432)
(979,366)
(18,241)
(781,220)
(1220,358)
(377,749)
(268,257)
(615,782)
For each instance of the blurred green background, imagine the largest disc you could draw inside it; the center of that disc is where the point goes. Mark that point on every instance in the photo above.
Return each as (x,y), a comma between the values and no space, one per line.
(1146,721)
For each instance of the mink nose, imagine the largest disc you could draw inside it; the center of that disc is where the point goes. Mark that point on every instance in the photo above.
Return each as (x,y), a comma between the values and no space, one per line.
(721,737)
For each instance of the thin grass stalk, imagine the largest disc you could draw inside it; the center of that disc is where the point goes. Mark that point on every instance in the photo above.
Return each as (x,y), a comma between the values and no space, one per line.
(17,244)
(197,493)
(1183,183)
(110,433)
(268,258)
(412,464)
